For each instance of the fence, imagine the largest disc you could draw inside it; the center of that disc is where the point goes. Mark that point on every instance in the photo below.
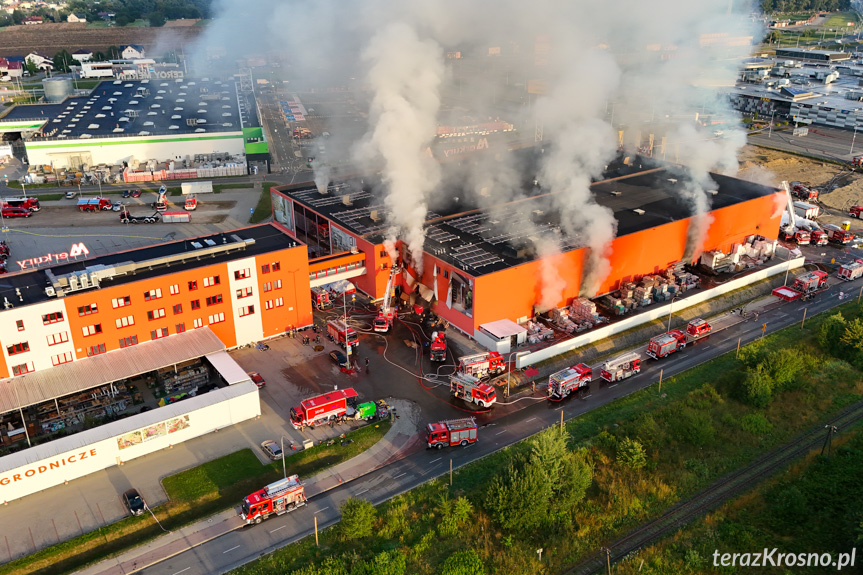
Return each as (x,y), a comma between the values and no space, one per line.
(628,323)
(160,175)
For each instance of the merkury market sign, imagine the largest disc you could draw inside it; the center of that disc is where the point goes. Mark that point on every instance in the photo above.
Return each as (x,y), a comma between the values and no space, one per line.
(76,250)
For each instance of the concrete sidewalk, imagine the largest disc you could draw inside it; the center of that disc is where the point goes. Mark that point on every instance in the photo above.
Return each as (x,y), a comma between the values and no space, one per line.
(402,439)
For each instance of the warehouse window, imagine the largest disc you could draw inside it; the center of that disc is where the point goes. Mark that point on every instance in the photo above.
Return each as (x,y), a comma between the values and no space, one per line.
(121,301)
(277,284)
(242,274)
(62,358)
(55,317)
(198,323)
(87,309)
(127,341)
(23,368)
(277,266)
(214,299)
(178,308)
(244,292)
(211,281)
(159,333)
(247,310)
(193,285)
(268,286)
(268,304)
(279,302)
(181,327)
(124,321)
(17,348)
(92,329)
(175,289)
(56,338)
(156,313)
(153,294)
(95,350)
(265,269)
(19,324)
(196,304)
(216,318)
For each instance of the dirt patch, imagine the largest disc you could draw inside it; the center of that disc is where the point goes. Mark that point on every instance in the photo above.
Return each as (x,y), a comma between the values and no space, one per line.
(51,38)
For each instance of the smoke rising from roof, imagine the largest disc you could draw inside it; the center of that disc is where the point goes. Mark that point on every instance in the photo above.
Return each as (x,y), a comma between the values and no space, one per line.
(620,65)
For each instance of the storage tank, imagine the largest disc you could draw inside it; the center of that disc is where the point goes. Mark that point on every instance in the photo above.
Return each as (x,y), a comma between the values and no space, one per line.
(56,89)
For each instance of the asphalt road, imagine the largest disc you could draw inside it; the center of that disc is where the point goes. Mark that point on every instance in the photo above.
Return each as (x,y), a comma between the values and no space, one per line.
(248,543)
(821,142)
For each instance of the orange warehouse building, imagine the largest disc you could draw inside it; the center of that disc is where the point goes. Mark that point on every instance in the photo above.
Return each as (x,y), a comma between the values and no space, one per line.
(480,265)
(245,285)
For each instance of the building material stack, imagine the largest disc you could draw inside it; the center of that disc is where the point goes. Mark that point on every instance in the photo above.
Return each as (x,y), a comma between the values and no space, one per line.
(583,312)
(536,332)
(560,317)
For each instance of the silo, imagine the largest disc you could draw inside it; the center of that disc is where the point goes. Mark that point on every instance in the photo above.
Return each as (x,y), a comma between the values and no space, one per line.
(56,89)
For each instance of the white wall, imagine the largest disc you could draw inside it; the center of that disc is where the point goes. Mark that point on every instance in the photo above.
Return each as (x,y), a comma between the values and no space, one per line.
(38,468)
(652,314)
(35,334)
(117,150)
(249,328)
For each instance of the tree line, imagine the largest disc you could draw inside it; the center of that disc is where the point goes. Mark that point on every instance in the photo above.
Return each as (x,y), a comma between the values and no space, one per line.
(786,6)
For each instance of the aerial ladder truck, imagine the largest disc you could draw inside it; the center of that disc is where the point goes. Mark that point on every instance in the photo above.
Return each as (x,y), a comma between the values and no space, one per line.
(384,322)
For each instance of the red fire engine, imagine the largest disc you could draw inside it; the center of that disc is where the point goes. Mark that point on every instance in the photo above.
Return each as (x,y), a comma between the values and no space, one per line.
(564,382)
(384,322)
(621,367)
(191,203)
(698,328)
(437,346)
(321,299)
(31,204)
(322,409)
(666,343)
(810,282)
(819,238)
(94,204)
(855,212)
(342,334)
(850,271)
(276,498)
(801,237)
(838,235)
(481,364)
(472,390)
(451,433)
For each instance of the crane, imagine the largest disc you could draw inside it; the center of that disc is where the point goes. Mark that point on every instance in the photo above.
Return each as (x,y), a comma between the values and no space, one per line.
(384,322)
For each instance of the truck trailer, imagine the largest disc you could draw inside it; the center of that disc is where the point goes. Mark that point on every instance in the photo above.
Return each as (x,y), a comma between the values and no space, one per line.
(276,498)
(564,382)
(322,409)
(450,433)
(472,390)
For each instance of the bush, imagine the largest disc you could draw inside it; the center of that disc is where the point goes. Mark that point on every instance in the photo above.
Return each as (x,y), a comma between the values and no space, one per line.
(630,453)
(830,334)
(384,563)
(758,387)
(756,424)
(785,365)
(453,514)
(463,563)
(358,518)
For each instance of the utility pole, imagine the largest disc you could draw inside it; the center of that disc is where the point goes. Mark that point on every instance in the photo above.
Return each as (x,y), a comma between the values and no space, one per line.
(828,441)
(607,559)
(450,471)
(804,317)
(316,532)
(736,355)
(561,421)
(660,381)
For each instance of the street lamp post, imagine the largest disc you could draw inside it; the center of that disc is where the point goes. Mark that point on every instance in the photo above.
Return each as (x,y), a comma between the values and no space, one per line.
(770,129)
(670,310)
(853,138)
(284,467)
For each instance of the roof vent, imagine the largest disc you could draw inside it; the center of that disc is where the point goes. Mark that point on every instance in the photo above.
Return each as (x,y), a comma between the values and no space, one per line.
(672,180)
(615,193)
(712,192)
(374,216)
(639,212)
(346,200)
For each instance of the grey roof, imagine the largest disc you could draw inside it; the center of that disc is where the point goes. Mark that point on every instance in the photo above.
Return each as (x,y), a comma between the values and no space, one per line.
(116,428)
(40,386)
(138,108)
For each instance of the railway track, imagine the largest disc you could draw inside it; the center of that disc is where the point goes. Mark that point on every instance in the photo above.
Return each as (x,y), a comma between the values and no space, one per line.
(722,490)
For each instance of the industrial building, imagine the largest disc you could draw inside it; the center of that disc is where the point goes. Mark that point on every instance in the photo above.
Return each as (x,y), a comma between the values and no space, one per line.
(480,266)
(131,122)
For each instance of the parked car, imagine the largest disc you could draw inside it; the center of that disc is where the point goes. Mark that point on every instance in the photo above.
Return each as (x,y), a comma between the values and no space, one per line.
(272,449)
(71,194)
(116,207)
(257,379)
(134,503)
(136,193)
(340,359)
(16,213)
(127,193)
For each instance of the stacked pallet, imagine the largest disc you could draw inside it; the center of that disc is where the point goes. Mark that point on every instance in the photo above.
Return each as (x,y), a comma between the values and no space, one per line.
(536,332)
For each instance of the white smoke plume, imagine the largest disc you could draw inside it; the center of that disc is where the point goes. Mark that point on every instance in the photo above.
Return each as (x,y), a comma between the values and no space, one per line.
(552,285)
(405,76)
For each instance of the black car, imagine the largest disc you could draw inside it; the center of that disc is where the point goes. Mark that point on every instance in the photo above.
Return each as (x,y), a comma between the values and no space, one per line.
(340,359)
(134,503)
(127,193)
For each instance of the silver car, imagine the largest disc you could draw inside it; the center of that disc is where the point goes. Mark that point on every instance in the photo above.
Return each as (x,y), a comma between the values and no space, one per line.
(272,449)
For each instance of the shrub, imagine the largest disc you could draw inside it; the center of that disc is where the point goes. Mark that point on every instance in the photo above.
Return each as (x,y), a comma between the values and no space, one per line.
(358,518)
(453,514)
(465,562)
(758,387)
(756,424)
(630,453)
(830,334)
(384,563)
(785,365)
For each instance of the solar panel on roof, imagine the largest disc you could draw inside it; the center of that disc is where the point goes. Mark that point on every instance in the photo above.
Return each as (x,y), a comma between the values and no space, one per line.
(176,117)
(127,86)
(201,112)
(93,127)
(149,124)
(100,115)
(117,130)
(173,127)
(133,102)
(106,107)
(118,93)
(155,105)
(200,130)
(180,100)
(152,113)
(178,109)
(163,84)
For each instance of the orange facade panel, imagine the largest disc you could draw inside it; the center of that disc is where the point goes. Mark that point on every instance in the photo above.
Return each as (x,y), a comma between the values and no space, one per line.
(285,302)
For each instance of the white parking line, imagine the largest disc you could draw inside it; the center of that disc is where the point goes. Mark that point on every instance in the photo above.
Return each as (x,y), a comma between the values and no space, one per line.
(499,432)
(324,509)
(178,572)
(399,475)
(361,492)
(613,385)
(438,459)
(231,549)
(277,528)
(529,420)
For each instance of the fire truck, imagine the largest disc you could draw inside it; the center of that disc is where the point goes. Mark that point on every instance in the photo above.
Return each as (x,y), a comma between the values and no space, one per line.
(451,433)
(276,498)
(855,211)
(94,204)
(850,271)
(342,334)
(564,382)
(384,322)
(31,204)
(666,343)
(322,409)
(472,390)
(161,203)
(838,235)
(810,282)
(437,347)
(801,237)
(190,204)
(819,238)
(621,367)
(321,299)
(481,365)
(803,192)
